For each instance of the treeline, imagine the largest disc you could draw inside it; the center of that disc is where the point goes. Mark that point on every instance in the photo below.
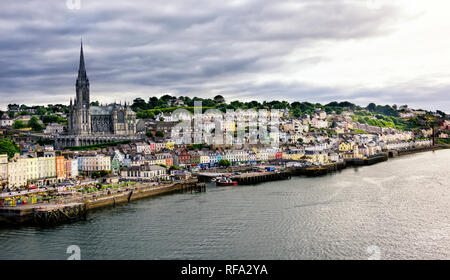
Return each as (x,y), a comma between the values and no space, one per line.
(37,125)
(168,103)
(151,113)
(33,123)
(380,120)
(37,109)
(385,110)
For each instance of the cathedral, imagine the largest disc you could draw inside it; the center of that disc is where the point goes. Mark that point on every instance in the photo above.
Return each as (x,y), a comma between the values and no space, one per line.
(86,120)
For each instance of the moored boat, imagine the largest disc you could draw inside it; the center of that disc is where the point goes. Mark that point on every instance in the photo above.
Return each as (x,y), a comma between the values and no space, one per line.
(223,182)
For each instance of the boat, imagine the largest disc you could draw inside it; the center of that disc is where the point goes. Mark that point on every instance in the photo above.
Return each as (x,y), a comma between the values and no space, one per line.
(224,182)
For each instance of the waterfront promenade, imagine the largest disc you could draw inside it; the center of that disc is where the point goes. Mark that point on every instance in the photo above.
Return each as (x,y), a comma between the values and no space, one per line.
(64,209)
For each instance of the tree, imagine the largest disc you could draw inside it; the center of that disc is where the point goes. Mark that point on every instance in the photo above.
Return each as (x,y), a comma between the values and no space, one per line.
(218,99)
(8,147)
(34,124)
(300,140)
(45,141)
(173,167)
(103,173)
(152,102)
(224,162)
(159,133)
(52,119)
(95,174)
(139,103)
(145,114)
(371,107)
(19,124)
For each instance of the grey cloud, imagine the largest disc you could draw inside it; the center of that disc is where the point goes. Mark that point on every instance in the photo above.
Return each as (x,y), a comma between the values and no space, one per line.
(141,48)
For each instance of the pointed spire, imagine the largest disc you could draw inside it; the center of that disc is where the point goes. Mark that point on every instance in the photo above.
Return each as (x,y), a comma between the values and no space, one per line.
(82,67)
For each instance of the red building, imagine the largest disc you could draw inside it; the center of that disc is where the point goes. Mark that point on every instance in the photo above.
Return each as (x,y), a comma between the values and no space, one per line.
(184,157)
(279,155)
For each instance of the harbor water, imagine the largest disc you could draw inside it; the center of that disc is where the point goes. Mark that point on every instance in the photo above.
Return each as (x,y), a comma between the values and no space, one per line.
(397,209)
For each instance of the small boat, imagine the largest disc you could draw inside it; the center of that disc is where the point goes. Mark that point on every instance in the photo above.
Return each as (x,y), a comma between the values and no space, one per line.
(223,182)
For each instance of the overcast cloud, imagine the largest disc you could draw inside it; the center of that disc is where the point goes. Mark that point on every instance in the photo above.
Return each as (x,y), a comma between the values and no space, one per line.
(387,52)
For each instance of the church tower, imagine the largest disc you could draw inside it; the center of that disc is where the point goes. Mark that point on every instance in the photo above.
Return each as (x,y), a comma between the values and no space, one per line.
(81,118)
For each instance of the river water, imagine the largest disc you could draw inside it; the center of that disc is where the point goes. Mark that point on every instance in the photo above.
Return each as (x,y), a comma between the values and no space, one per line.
(397,209)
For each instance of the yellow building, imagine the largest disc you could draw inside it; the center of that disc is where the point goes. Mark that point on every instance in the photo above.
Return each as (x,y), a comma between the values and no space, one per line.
(16,175)
(160,160)
(29,169)
(41,170)
(345,147)
(317,158)
(3,169)
(170,145)
(292,155)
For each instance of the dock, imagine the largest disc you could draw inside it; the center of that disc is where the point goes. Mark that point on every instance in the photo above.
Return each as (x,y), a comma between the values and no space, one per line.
(367,161)
(259,177)
(77,208)
(50,215)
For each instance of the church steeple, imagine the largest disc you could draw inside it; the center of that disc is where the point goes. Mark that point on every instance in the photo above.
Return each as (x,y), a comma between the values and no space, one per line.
(82,84)
(82,67)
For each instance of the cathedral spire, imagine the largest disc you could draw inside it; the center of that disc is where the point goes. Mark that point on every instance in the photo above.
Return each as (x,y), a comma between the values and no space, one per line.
(82,67)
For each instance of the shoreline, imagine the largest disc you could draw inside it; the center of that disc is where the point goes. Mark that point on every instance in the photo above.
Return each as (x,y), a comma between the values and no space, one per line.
(53,214)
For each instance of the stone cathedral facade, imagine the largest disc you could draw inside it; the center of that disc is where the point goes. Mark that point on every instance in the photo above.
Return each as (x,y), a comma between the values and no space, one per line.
(86,120)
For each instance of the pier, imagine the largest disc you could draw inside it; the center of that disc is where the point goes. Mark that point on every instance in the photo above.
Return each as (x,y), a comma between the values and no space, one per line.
(317,170)
(51,215)
(259,177)
(76,208)
(367,161)
(139,192)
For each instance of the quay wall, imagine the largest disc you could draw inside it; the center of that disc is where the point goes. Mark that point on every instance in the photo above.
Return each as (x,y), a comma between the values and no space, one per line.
(127,196)
(420,150)
(27,216)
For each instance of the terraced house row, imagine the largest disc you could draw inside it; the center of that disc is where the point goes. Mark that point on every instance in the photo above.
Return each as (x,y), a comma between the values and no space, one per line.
(151,161)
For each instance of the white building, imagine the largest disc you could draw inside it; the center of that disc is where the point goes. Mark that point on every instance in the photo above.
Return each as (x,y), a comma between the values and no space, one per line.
(94,163)
(144,172)
(54,128)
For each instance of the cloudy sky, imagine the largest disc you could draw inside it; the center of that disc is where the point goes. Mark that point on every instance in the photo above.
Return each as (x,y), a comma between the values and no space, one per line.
(387,52)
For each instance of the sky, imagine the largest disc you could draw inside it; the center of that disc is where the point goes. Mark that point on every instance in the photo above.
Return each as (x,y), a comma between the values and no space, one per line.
(362,51)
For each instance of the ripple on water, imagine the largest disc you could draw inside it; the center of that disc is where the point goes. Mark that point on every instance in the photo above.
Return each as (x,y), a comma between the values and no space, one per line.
(398,207)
